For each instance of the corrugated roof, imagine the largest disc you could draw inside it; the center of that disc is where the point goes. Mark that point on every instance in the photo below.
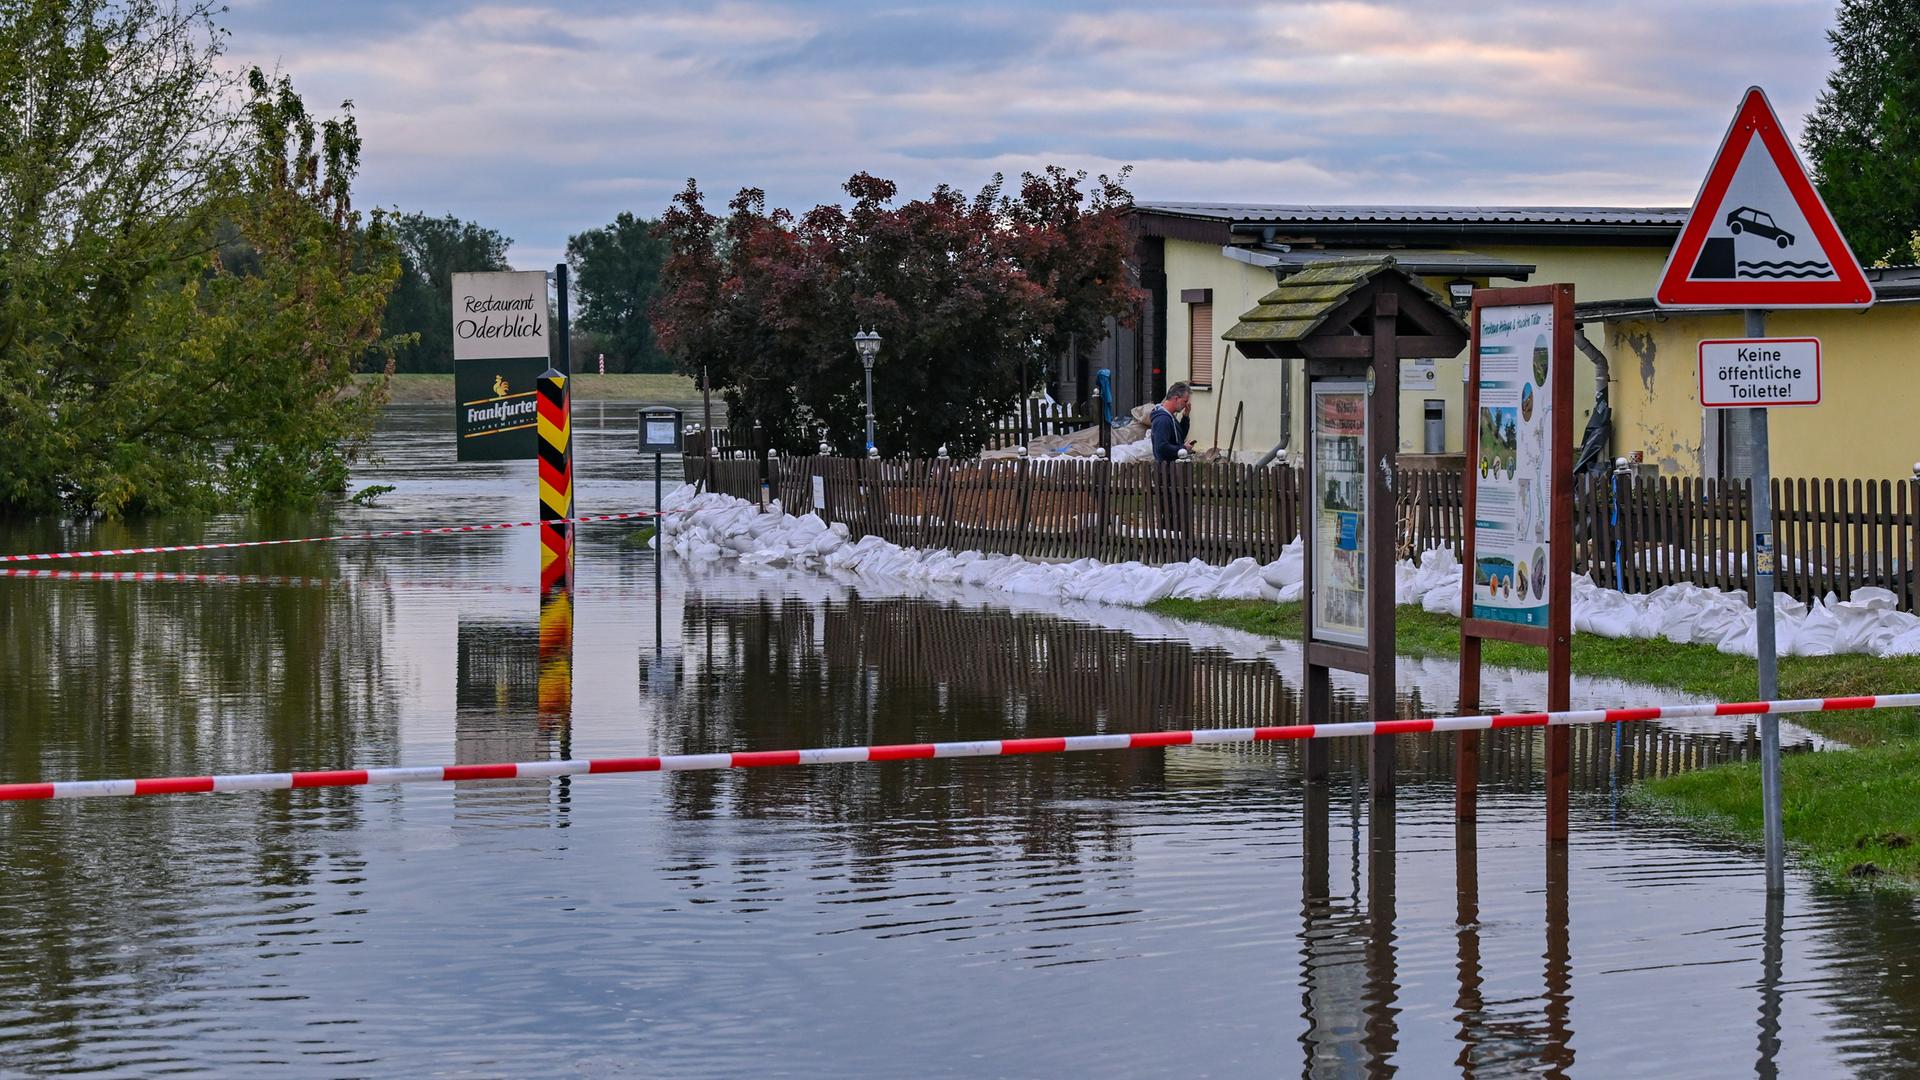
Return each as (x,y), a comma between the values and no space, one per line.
(1432,263)
(1891,285)
(1312,214)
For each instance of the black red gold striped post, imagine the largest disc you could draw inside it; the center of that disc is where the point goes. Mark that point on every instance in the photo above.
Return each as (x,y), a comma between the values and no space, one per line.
(555,438)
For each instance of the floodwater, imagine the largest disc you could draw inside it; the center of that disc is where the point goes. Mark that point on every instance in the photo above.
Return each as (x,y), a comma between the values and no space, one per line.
(1187,913)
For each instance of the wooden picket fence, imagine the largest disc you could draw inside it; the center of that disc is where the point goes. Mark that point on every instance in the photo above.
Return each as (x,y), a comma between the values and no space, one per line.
(1636,534)
(1033,419)
(1830,536)
(1055,508)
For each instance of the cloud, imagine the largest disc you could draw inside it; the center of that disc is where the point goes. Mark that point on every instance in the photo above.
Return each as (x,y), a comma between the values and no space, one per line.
(545,117)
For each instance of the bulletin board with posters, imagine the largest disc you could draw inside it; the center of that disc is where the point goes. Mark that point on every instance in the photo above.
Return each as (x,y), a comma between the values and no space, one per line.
(1518,549)
(1337,511)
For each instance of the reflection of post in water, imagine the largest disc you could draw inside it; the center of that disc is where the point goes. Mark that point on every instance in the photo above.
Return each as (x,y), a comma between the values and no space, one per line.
(1348,967)
(495,705)
(1557,1054)
(1383,1031)
(1331,941)
(1771,955)
(1470,1007)
(556,664)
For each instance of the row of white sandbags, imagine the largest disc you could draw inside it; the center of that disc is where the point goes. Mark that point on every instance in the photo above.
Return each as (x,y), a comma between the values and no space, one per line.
(702,528)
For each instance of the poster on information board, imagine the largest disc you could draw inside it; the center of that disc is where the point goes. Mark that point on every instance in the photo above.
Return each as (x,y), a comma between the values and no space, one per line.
(1519,459)
(1338,509)
(501,335)
(1513,463)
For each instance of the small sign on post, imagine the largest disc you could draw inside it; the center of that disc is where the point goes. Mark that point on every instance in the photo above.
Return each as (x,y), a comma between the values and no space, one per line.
(1746,373)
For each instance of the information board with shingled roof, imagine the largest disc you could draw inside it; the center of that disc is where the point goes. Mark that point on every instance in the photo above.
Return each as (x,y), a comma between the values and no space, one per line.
(1352,321)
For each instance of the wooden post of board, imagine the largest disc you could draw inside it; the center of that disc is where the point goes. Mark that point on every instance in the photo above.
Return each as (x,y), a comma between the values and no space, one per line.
(1383,447)
(1497,607)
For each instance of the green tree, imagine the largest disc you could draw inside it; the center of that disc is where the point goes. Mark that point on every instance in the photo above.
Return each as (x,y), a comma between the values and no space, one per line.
(616,274)
(432,250)
(138,370)
(1863,137)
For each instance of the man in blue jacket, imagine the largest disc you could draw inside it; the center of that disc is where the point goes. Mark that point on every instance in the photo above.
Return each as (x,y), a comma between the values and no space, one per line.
(1169,422)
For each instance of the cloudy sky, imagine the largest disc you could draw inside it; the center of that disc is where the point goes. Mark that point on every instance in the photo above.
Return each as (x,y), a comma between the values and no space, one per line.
(544,117)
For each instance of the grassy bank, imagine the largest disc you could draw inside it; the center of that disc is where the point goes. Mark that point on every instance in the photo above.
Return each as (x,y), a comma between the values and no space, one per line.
(1854,815)
(678,390)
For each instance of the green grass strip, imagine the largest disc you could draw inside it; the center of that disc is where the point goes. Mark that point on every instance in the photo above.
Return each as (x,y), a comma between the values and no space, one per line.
(1852,815)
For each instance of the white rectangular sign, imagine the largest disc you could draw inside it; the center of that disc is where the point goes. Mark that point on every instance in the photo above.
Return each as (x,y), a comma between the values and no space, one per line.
(500,316)
(1759,373)
(1421,375)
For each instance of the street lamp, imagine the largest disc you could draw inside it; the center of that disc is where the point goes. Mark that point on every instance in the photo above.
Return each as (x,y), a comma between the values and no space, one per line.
(1460,292)
(867,344)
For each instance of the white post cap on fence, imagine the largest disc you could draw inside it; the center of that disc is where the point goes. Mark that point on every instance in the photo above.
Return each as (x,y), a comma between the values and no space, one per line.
(943,450)
(1916,470)
(1023,451)
(1184,455)
(873,452)
(1622,465)
(772,454)
(825,449)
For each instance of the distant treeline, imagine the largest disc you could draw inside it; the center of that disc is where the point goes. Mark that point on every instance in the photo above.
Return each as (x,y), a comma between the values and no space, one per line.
(615,271)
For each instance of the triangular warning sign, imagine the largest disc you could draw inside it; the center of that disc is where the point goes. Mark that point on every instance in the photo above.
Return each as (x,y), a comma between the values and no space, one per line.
(1758,235)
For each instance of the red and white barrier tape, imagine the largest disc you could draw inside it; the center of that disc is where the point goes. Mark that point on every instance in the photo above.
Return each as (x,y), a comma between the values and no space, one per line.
(176,785)
(173,577)
(391,534)
(48,573)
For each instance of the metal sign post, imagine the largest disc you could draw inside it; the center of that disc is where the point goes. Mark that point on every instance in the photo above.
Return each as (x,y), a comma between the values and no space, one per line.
(1759,237)
(660,434)
(1763,627)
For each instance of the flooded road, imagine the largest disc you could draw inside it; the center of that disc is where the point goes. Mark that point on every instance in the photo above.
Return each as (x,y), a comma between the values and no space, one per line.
(1187,913)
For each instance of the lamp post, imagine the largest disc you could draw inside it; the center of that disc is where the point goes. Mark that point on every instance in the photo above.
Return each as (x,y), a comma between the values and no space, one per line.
(867,344)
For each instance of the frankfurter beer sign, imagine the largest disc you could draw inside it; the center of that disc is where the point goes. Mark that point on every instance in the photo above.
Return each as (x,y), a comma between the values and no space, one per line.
(501,335)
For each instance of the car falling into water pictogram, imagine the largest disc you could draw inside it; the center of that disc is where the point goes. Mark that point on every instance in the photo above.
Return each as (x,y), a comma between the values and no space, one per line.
(1760,223)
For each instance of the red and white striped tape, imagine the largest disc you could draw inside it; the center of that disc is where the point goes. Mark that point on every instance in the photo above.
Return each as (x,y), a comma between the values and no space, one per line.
(48,573)
(838,755)
(391,534)
(174,577)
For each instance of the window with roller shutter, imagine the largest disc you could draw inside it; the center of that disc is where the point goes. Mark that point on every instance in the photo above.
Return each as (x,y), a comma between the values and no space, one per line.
(1200,345)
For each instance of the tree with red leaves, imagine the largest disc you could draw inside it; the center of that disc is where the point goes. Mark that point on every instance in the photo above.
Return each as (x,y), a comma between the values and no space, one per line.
(971,296)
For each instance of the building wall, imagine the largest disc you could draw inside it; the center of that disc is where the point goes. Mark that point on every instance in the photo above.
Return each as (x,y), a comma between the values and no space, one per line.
(1236,287)
(1864,428)
(1597,273)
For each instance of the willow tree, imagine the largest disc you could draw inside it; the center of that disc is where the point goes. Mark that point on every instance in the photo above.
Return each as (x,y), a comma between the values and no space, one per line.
(184,285)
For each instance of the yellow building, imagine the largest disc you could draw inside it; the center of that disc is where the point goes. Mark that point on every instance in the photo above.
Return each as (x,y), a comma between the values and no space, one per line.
(1864,428)
(1204,264)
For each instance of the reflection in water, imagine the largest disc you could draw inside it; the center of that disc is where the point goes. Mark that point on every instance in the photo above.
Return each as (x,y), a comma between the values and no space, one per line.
(868,921)
(1557,1053)
(1469,1006)
(160,679)
(1382,1040)
(1771,955)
